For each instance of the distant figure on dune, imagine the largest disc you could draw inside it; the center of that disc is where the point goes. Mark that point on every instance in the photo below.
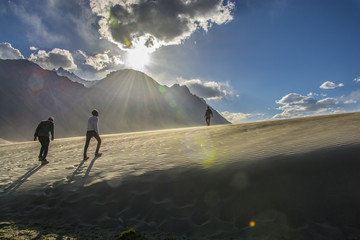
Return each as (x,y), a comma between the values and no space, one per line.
(208,114)
(42,133)
(92,131)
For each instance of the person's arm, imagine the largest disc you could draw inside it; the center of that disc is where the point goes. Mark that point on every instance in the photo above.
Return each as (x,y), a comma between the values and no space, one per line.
(37,131)
(52,131)
(96,125)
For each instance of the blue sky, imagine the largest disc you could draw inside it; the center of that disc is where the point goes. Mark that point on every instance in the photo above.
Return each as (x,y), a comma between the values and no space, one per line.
(251,60)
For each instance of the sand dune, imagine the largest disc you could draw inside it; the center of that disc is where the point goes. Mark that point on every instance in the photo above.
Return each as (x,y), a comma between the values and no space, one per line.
(3,141)
(288,179)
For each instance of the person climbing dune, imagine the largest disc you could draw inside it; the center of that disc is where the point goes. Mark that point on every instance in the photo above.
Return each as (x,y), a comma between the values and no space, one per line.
(93,131)
(42,133)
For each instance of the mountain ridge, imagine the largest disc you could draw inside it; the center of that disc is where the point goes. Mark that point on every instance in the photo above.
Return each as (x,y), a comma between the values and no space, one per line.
(30,94)
(73,77)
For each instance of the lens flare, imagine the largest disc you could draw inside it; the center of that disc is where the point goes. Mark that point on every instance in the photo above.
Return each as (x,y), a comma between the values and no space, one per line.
(162,89)
(36,84)
(252,223)
(199,147)
(127,42)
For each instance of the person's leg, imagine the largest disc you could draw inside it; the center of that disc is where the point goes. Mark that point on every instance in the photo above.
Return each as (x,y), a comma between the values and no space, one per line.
(208,121)
(88,137)
(46,141)
(98,143)
(41,149)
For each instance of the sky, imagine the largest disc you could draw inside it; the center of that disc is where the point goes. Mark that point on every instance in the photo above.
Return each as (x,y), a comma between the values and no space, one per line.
(251,60)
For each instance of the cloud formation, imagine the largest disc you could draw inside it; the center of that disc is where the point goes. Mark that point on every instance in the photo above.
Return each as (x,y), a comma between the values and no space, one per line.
(102,61)
(238,117)
(296,105)
(98,65)
(157,23)
(354,97)
(57,23)
(8,52)
(330,85)
(37,31)
(90,67)
(54,59)
(357,79)
(207,90)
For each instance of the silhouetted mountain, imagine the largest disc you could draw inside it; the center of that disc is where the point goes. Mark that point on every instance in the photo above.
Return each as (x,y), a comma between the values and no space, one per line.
(73,77)
(127,100)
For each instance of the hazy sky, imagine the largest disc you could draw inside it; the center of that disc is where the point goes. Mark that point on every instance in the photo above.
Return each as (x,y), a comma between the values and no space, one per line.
(250,59)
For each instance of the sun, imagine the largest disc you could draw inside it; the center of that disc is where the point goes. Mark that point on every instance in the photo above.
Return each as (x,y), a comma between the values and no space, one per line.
(138,58)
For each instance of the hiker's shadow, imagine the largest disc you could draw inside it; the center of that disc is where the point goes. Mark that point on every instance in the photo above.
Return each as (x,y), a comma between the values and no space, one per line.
(15,185)
(88,171)
(78,170)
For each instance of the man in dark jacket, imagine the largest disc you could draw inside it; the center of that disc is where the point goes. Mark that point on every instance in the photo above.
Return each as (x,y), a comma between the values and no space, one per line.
(42,133)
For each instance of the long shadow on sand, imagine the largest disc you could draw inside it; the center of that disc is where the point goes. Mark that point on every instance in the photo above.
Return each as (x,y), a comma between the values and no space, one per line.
(15,185)
(88,171)
(78,170)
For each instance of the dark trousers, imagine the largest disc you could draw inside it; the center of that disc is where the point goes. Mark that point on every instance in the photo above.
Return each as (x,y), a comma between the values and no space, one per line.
(44,141)
(89,135)
(207,120)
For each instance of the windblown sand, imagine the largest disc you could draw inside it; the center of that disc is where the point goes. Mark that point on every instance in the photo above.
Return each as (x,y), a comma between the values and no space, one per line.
(288,179)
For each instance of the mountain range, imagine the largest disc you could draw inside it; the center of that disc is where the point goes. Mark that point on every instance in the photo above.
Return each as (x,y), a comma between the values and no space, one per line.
(127,100)
(73,77)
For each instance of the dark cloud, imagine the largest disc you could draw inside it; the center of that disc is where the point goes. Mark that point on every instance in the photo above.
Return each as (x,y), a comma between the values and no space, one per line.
(159,22)
(54,59)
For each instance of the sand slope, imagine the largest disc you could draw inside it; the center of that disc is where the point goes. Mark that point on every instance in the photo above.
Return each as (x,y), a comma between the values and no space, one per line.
(292,179)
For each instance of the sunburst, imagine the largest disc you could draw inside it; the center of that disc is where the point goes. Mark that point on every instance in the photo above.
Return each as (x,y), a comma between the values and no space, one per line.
(138,58)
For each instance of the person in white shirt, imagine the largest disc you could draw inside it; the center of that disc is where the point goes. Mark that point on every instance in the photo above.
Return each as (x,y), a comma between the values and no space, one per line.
(93,131)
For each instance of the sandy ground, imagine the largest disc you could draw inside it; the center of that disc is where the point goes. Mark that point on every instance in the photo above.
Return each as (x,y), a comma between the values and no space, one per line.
(288,179)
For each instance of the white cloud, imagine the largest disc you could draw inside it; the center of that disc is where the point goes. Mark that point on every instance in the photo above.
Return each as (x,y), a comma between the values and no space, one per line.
(32,48)
(357,79)
(155,23)
(351,101)
(207,90)
(99,61)
(330,85)
(238,117)
(102,61)
(54,59)
(96,66)
(354,97)
(8,52)
(296,105)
